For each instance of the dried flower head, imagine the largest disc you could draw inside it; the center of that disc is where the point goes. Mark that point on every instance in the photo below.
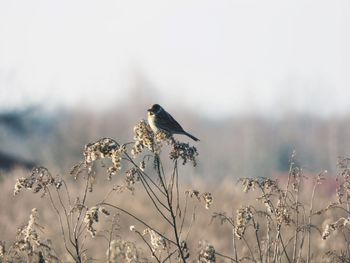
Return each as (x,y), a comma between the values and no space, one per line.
(248,184)
(2,249)
(142,166)
(193,193)
(206,252)
(38,181)
(268,205)
(144,138)
(339,224)
(131,178)
(344,167)
(157,241)
(104,148)
(282,213)
(29,242)
(184,151)
(184,249)
(244,215)
(269,185)
(343,189)
(340,193)
(327,231)
(208,199)
(92,216)
(122,251)
(162,136)
(295,176)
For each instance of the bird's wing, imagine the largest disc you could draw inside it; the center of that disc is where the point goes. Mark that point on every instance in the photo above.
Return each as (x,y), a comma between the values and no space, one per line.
(166,122)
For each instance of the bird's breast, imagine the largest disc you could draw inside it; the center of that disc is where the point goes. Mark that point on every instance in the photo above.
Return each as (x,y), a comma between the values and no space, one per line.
(152,123)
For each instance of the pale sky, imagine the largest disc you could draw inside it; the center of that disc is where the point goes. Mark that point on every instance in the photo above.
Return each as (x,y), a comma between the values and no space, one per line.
(215,57)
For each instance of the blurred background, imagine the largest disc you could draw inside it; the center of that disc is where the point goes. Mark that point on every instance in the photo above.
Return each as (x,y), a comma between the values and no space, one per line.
(254,80)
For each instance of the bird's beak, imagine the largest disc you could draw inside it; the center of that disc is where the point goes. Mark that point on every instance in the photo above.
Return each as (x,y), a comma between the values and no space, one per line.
(149,110)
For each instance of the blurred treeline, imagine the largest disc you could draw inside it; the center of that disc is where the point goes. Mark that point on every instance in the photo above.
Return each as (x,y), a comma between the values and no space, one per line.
(236,146)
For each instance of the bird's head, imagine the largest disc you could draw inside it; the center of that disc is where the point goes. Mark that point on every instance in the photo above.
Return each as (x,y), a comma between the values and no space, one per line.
(155,109)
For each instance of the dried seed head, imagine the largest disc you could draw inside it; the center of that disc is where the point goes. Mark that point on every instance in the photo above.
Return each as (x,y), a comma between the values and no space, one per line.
(162,136)
(339,224)
(38,181)
(2,249)
(208,199)
(193,193)
(92,216)
(157,241)
(131,178)
(104,148)
(122,251)
(206,253)
(103,211)
(282,213)
(327,231)
(142,166)
(248,184)
(269,206)
(144,138)
(183,151)
(184,249)
(269,185)
(29,243)
(244,215)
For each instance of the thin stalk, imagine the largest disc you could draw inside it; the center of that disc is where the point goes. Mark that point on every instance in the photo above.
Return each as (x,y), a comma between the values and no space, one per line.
(155,204)
(283,246)
(172,214)
(149,246)
(142,172)
(309,223)
(256,228)
(61,225)
(234,246)
(66,216)
(268,238)
(296,223)
(250,250)
(151,190)
(137,219)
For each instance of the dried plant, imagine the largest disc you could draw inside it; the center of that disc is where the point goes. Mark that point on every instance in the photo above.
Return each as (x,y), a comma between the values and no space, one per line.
(270,221)
(282,227)
(29,245)
(206,253)
(79,217)
(123,251)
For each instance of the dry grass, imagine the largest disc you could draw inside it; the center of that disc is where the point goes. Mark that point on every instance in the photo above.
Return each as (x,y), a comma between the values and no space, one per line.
(115,208)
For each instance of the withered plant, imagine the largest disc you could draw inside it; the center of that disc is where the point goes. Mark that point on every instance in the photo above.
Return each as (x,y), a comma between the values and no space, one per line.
(274,221)
(141,165)
(279,226)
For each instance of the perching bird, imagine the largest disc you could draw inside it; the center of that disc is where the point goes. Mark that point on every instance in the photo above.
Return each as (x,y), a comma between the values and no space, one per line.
(160,120)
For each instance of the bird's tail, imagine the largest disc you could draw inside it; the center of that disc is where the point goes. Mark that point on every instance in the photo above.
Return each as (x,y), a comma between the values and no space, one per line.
(191,136)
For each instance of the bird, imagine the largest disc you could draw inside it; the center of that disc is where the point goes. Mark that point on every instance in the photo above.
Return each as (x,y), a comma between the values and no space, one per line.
(160,120)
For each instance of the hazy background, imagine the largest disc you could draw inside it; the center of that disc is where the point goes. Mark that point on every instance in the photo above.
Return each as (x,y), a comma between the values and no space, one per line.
(252,79)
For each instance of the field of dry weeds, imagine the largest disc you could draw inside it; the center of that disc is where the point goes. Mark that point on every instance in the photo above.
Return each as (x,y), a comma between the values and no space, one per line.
(140,202)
